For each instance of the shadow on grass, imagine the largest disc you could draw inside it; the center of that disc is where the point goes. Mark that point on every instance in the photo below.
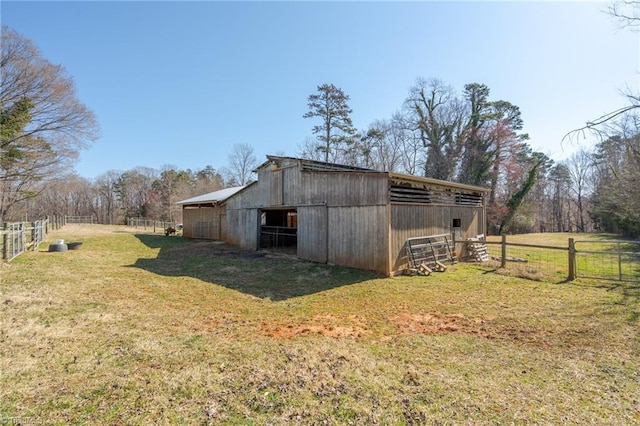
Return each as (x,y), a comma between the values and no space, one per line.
(268,275)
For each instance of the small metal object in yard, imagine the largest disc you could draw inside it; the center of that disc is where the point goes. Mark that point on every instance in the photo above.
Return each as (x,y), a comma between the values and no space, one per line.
(58,247)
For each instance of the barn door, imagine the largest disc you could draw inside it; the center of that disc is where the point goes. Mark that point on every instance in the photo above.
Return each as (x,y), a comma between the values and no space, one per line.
(223,227)
(312,233)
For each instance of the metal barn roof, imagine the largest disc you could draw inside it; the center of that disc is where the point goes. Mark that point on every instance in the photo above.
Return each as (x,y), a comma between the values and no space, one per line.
(212,197)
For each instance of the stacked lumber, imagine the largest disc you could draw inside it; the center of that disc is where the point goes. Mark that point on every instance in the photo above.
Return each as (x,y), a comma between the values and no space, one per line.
(477,248)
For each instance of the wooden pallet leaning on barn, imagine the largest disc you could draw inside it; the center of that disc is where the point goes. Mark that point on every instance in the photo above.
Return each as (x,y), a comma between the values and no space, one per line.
(428,254)
(477,248)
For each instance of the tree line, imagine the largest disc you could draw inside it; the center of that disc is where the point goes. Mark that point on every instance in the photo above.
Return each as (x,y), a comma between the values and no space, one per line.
(115,195)
(438,131)
(144,192)
(469,138)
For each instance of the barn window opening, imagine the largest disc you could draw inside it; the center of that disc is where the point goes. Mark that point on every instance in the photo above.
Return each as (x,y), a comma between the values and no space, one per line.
(279,228)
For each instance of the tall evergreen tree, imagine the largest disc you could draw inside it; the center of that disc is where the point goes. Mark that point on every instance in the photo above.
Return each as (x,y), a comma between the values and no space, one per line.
(336,132)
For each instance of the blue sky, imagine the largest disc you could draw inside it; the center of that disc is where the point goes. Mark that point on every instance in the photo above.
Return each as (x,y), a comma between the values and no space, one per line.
(179,83)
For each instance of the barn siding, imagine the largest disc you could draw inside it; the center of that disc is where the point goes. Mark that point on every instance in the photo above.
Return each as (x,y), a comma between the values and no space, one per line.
(409,221)
(242,228)
(358,237)
(249,197)
(343,189)
(312,233)
(223,226)
(344,217)
(203,222)
(292,187)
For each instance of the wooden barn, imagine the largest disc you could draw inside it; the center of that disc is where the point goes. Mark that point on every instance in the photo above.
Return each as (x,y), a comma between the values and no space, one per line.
(205,216)
(345,215)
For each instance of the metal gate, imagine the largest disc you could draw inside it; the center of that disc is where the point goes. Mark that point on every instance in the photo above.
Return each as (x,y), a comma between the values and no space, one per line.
(609,260)
(15,243)
(38,234)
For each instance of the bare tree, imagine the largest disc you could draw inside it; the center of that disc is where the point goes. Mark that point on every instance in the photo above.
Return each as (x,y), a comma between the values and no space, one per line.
(553,214)
(627,13)
(579,166)
(242,163)
(106,203)
(311,150)
(435,112)
(43,124)
(136,195)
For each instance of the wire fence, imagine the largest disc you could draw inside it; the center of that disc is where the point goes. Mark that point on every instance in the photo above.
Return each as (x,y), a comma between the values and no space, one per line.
(611,260)
(533,262)
(161,226)
(601,259)
(80,219)
(19,237)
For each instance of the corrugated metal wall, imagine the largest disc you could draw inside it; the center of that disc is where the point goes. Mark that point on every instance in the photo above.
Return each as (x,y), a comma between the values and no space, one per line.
(409,221)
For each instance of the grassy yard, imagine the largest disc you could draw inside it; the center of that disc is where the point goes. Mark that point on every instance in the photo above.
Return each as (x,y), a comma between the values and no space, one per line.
(602,256)
(135,328)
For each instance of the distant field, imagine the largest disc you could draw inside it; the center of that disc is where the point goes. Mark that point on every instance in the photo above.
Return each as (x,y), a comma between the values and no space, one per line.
(597,256)
(135,328)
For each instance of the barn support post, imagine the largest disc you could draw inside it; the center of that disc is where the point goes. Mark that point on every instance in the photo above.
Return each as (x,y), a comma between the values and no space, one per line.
(572,260)
(503,258)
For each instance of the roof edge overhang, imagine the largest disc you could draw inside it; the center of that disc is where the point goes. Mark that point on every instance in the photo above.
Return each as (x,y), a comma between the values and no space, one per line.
(212,198)
(419,179)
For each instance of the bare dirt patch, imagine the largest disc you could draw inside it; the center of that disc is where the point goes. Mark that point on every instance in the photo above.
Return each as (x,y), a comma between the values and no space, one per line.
(437,323)
(353,327)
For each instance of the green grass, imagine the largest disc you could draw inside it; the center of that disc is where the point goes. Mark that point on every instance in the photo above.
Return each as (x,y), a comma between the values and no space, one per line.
(146,329)
(597,256)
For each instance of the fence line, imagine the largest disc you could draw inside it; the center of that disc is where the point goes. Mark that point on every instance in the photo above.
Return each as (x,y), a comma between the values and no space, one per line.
(532,261)
(79,219)
(581,258)
(150,224)
(18,237)
(612,259)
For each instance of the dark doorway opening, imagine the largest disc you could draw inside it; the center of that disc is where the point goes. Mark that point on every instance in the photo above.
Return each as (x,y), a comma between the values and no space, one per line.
(279,228)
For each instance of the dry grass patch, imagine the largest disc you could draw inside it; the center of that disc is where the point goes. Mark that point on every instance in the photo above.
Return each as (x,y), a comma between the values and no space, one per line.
(143,329)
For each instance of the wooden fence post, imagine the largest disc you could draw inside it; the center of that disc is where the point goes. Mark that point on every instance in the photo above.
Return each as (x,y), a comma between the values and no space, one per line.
(572,260)
(619,262)
(503,260)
